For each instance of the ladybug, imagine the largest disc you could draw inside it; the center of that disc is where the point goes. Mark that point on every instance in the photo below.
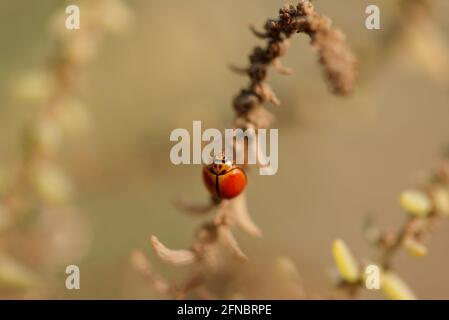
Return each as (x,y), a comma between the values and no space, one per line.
(224,179)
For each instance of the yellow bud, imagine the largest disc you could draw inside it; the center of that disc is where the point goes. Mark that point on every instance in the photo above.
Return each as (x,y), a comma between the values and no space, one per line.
(395,288)
(414,248)
(415,202)
(441,201)
(14,275)
(347,265)
(51,184)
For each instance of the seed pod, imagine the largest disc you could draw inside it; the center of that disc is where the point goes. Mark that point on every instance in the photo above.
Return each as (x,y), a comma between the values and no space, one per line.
(395,288)
(346,263)
(415,202)
(245,101)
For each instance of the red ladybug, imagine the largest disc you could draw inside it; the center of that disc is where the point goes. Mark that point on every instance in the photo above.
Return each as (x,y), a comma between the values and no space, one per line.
(224,179)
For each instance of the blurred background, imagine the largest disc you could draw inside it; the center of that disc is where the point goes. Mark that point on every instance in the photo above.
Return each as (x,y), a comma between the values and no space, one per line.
(340,159)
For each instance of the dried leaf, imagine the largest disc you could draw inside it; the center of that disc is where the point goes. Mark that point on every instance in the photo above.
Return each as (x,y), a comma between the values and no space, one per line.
(142,265)
(277,64)
(227,239)
(242,217)
(175,257)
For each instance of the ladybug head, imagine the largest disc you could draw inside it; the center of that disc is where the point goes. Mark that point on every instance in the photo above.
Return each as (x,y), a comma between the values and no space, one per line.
(220,165)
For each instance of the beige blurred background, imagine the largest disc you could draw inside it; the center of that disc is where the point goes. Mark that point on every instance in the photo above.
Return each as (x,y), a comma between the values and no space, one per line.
(340,159)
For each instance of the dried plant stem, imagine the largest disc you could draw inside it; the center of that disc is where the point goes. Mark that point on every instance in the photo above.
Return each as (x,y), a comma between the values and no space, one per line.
(339,66)
(426,210)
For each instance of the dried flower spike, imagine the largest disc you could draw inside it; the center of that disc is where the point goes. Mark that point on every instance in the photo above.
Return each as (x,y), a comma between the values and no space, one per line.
(338,62)
(337,59)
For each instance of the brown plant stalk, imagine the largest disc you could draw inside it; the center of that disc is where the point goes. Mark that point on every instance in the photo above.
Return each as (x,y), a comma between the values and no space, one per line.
(339,65)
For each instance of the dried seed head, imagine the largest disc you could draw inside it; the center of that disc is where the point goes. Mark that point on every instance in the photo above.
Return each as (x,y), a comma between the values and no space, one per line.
(245,101)
(305,8)
(257,72)
(260,117)
(265,93)
(337,59)
(416,203)
(346,263)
